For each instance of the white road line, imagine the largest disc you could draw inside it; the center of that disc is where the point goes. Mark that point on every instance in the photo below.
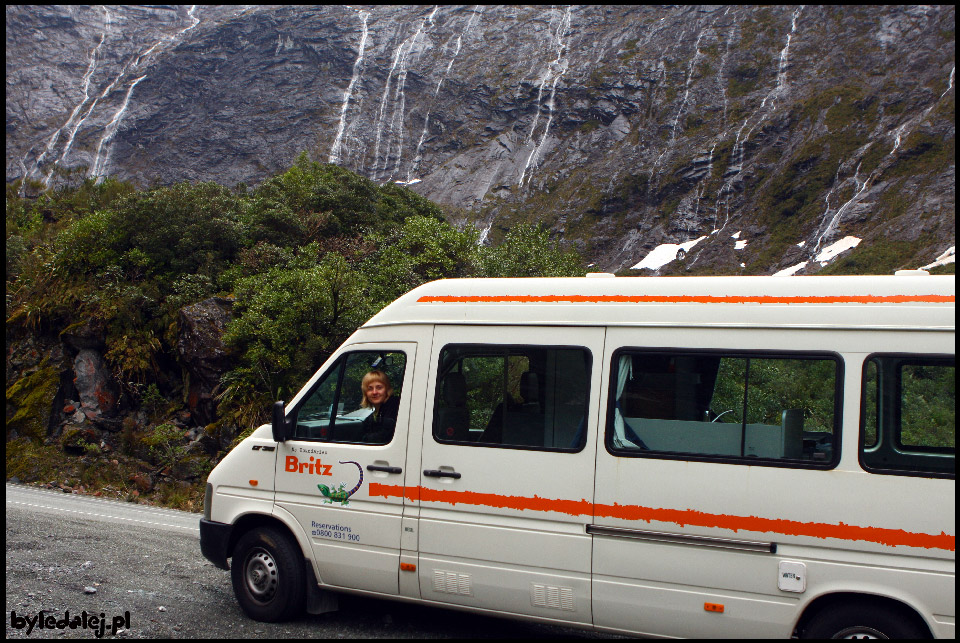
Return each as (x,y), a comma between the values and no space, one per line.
(82,498)
(112,517)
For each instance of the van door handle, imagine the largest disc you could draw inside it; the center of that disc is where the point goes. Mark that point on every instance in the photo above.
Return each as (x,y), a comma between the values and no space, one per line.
(435,473)
(377,467)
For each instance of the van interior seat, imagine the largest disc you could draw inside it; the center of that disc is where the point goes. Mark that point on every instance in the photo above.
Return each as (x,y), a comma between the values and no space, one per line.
(453,418)
(530,391)
(721,438)
(524,424)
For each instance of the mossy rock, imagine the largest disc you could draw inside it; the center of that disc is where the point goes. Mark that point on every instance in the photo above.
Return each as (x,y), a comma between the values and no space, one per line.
(29,403)
(192,466)
(78,440)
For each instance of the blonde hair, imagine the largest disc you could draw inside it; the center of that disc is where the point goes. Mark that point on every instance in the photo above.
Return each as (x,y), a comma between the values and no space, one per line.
(371,376)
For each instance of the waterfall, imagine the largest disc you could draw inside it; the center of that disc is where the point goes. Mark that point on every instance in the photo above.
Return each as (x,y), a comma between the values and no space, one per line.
(23,173)
(785,52)
(170,39)
(781,76)
(86,97)
(735,163)
(686,93)
(781,79)
(913,121)
(357,67)
(557,68)
(383,105)
(536,113)
(100,164)
(897,134)
(832,225)
(953,73)
(400,66)
(91,67)
(477,11)
(723,65)
(861,187)
(54,138)
(654,176)
(396,130)
(196,20)
(483,234)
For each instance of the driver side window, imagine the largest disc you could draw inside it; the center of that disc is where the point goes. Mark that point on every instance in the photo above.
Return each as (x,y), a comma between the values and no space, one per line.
(338,409)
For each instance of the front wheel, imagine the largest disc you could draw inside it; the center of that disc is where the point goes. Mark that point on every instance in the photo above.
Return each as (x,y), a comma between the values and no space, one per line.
(268,575)
(864,620)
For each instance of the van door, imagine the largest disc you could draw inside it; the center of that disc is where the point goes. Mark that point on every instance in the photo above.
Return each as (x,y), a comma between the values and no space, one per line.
(506,480)
(339,447)
(709,460)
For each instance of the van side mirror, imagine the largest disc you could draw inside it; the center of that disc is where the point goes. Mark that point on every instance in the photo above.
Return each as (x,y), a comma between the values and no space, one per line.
(280,426)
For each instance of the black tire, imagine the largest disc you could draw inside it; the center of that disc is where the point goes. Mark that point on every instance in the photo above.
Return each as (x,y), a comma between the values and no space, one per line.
(864,620)
(268,575)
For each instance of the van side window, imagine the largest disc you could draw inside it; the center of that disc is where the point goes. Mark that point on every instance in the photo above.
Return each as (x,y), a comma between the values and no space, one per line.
(749,408)
(336,410)
(908,425)
(512,396)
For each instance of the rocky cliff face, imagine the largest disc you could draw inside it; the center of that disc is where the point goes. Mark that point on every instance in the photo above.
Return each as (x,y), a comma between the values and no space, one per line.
(741,139)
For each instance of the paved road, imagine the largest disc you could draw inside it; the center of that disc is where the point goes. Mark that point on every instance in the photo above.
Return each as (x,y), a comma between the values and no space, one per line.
(76,553)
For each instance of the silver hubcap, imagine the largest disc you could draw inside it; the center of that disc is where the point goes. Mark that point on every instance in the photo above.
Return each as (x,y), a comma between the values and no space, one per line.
(860,632)
(261,576)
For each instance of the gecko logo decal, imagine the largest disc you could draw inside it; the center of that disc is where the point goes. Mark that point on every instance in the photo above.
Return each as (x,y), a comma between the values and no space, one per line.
(340,494)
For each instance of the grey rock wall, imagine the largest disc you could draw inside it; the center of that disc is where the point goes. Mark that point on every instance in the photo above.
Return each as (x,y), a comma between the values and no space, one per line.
(620,128)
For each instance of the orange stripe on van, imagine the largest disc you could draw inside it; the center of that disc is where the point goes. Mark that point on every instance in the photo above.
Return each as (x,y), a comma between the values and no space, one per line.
(683,517)
(680,517)
(685,299)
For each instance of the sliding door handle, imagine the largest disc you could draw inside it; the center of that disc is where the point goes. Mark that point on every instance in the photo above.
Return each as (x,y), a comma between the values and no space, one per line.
(377,467)
(436,473)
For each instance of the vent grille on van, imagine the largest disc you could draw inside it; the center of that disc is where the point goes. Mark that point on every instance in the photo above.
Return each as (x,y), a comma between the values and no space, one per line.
(549,596)
(451,582)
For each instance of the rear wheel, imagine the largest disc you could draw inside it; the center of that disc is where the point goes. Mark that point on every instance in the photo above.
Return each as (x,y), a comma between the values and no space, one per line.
(864,620)
(268,575)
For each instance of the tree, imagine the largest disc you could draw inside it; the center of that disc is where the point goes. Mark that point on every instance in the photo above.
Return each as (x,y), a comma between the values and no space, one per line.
(421,250)
(527,251)
(288,320)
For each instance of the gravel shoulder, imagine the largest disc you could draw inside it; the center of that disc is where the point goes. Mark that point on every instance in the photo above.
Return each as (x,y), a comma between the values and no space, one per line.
(97,559)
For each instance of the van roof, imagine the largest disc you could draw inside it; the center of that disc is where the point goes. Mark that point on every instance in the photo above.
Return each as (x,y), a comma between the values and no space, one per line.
(894,302)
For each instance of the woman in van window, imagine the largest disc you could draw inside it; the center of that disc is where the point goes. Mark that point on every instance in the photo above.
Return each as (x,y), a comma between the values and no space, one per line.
(378,427)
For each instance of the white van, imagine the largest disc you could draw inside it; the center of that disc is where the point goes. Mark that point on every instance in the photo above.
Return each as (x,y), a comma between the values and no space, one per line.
(696,457)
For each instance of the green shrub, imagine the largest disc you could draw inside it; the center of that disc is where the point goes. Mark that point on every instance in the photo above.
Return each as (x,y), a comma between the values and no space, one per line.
(527,251)
(165,445)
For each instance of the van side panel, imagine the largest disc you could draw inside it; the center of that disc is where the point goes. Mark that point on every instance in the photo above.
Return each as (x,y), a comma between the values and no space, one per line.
(677,514)
(245,478)
(509,532)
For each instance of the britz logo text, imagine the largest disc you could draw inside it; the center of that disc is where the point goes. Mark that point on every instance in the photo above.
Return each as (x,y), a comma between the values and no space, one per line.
(294,465)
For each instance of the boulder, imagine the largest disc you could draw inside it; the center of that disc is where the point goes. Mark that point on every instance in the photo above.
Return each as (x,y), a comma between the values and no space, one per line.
(203,353)
(89,334)
(95,387)
(31,400)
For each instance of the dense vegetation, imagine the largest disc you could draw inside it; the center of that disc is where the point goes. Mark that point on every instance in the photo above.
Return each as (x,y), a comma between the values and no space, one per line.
(307,256)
